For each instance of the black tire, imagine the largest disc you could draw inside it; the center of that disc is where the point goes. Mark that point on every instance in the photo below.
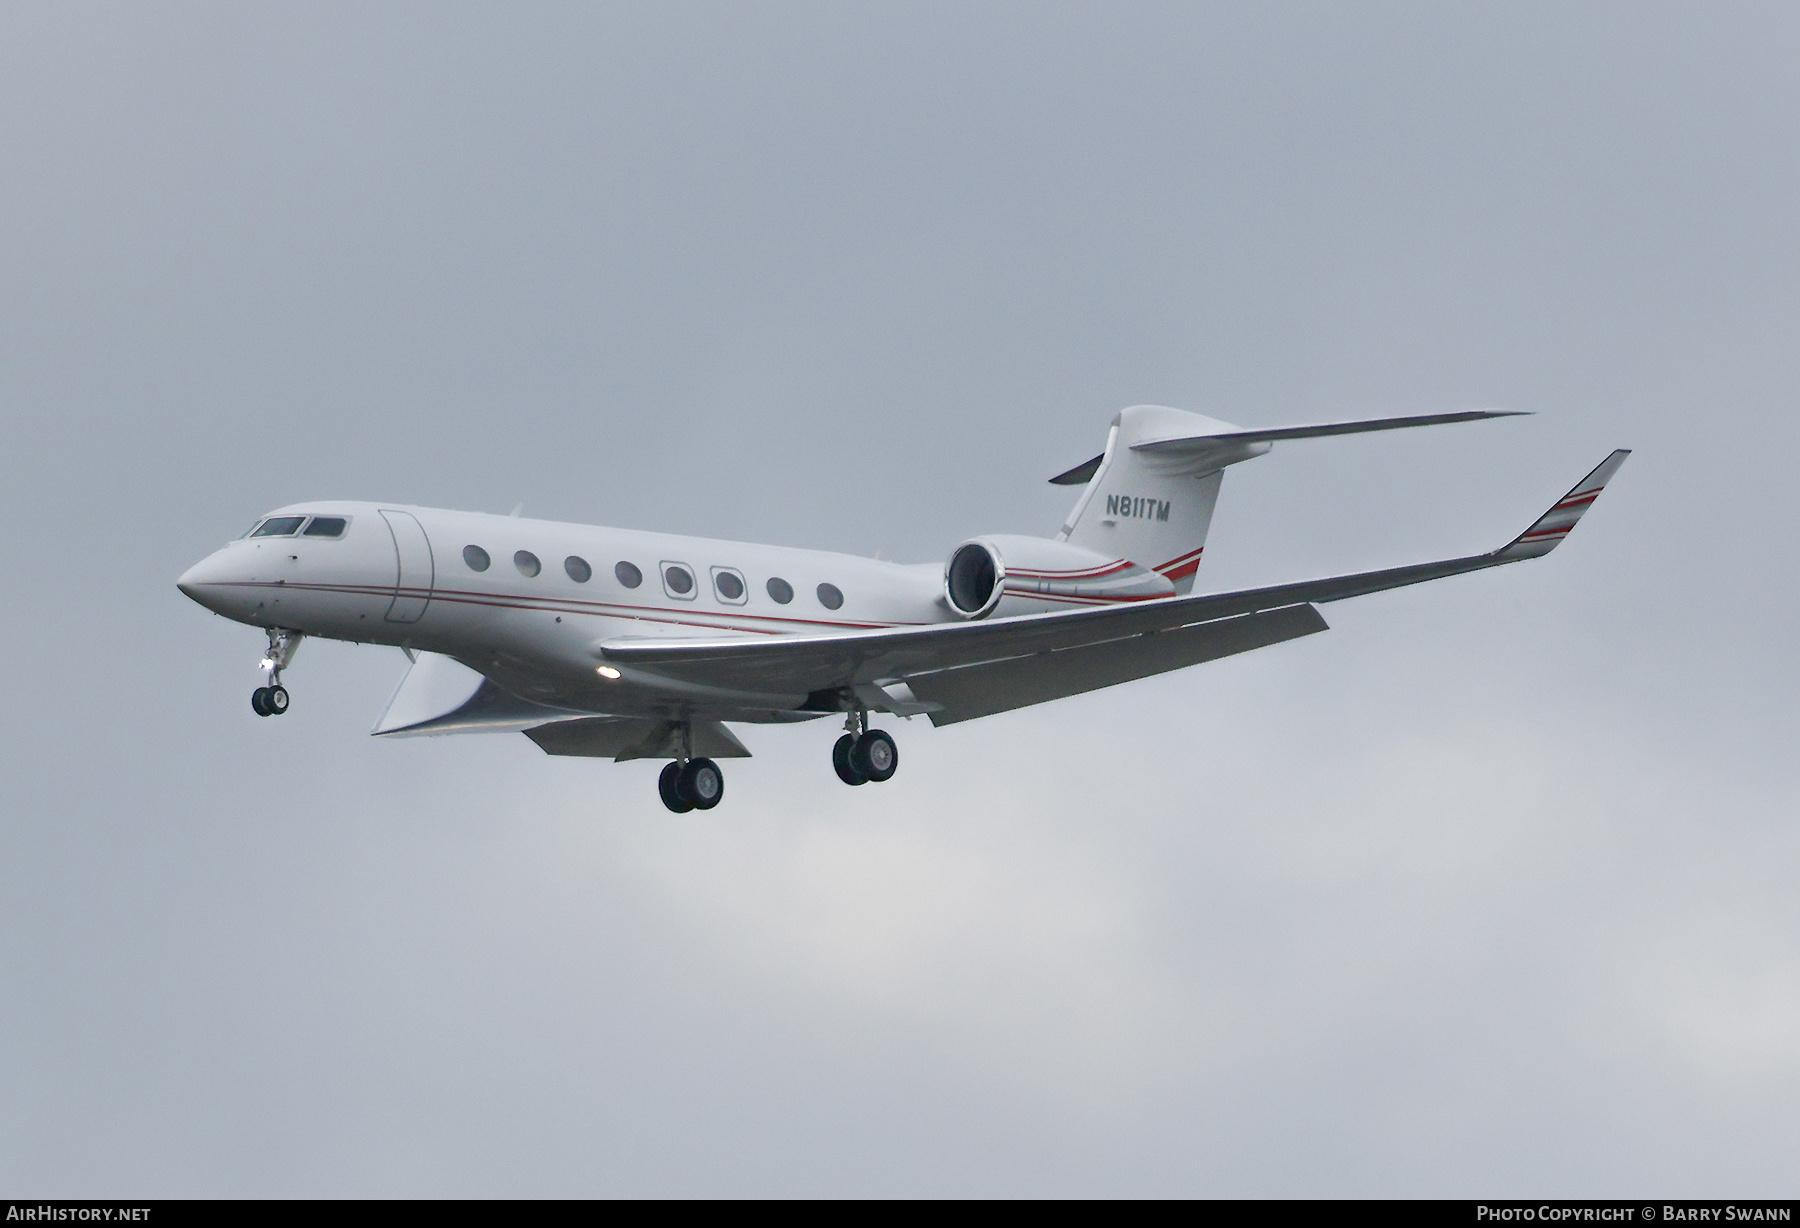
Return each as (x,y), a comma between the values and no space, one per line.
(842,761)
(875,755)
(257,698)
(702,784)
(668,784)
(276,700)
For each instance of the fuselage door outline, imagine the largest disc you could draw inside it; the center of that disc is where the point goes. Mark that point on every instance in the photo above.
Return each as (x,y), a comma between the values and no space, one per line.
(415,572)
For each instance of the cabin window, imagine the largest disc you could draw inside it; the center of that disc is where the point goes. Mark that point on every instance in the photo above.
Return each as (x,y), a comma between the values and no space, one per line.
(578,569)
(476,558)
(278,526)
(628,574)
(678,581)
(325,526)
(780,590)
(830,596)
(728,584)
(527,563)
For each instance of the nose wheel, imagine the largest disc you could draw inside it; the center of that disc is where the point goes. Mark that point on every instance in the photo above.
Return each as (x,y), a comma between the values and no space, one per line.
(272,700)
(863,754)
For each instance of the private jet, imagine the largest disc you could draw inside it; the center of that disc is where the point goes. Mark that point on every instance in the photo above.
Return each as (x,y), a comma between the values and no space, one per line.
(630,645)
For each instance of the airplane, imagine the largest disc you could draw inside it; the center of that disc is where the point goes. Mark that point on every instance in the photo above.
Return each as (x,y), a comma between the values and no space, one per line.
(625,644)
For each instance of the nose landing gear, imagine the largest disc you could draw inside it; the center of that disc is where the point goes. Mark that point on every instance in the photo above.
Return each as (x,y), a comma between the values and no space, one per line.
(272,700)
(864,754)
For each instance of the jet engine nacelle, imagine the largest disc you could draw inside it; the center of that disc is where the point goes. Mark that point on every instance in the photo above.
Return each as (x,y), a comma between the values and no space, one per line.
(1032,575)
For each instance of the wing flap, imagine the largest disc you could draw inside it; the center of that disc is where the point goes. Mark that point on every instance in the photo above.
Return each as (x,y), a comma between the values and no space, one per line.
(622,738)
(982,690)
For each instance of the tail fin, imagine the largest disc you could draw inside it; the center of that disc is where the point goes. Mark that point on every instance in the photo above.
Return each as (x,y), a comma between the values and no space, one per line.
(1150,495)
(1141,507)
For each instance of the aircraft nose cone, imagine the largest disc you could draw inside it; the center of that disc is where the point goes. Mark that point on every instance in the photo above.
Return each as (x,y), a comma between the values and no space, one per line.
(201,582)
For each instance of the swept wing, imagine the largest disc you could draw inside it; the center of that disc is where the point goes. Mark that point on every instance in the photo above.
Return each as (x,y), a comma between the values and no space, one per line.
(928,659)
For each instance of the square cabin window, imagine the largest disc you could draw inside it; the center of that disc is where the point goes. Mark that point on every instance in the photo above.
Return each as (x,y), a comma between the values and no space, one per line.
(678,581)
(729,587)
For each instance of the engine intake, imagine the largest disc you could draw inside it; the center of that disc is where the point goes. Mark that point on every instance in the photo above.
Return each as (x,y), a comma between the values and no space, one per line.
(974,579)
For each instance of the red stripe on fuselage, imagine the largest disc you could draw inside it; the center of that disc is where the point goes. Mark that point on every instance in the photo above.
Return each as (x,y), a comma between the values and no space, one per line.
(565,605)
(1087,573)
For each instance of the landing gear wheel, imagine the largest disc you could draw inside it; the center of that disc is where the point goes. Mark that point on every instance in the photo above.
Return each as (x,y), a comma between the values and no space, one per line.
(275,699)
(668,784)
(259,701)
(874,755)
(702,783)
(843,760)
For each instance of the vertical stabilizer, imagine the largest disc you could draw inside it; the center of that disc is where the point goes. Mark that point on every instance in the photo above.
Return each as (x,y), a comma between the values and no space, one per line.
(1150,507)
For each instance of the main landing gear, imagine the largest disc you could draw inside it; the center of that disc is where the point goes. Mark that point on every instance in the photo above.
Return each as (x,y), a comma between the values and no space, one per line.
(861,755)
(272,700)
(864,754)
(697,784)
(689,783)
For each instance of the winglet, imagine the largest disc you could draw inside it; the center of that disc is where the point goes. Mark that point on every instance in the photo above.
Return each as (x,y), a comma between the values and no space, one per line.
(1554,525)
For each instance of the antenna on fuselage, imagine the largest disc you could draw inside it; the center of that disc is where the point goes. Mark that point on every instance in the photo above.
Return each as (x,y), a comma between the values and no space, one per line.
(517,508)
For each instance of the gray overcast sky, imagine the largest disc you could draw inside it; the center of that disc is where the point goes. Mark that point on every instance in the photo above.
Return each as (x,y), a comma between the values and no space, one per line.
(1490,890)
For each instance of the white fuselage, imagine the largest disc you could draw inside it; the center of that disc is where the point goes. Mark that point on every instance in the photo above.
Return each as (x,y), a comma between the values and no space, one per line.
(631,645)
(401,575)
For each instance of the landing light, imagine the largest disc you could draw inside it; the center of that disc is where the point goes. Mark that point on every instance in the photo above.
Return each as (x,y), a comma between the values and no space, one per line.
(607,671)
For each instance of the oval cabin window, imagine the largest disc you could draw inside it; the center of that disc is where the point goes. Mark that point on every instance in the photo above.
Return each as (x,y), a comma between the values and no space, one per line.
(830,596)
(678,579)
(578,569)
(527,563)
(730,587)
(780,591)
(476,558)
(628,574)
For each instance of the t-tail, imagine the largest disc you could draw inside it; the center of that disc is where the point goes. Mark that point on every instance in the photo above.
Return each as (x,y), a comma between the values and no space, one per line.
(1149,497)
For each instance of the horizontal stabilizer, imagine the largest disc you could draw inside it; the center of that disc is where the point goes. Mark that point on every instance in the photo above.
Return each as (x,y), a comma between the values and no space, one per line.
(1274,433)
(1220,448)
(1081,474)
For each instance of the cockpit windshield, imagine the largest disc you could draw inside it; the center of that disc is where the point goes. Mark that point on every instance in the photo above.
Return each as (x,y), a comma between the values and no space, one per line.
(278,526)
(325,526)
